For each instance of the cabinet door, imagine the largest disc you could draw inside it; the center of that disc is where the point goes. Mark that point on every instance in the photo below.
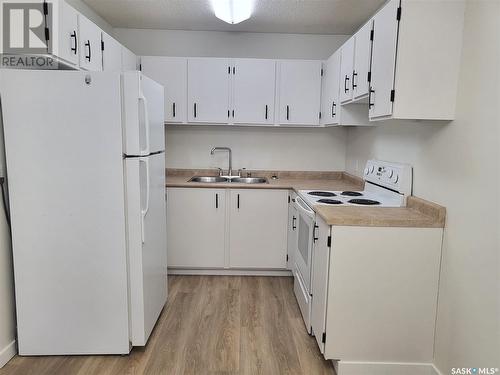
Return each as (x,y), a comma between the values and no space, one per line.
(299,92)
(129,60)
(319,285)
(253,91)
(346,70)
(330,112)
(68,34)
(208,90)
(195,227)
(385,33)
(292,231)
(258,228)
(171,72)
(362,55)
(111,54)
(90,45)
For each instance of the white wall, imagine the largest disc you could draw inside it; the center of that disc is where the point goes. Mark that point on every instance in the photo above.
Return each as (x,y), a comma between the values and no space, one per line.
(228,44)
(253,147)
(256,148)
(456,164)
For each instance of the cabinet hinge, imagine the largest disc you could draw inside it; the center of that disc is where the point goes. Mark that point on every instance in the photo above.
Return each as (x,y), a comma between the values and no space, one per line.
(234,70)
(140,67)
(329,241)
(369,76)
(371,34)
(323,337)
(228,70)
(322,72)
(47,34)
(393,93)
(398,14)
(228,113)
(320,115)
(102,45)
(288,199)
(287,257)
(45,8)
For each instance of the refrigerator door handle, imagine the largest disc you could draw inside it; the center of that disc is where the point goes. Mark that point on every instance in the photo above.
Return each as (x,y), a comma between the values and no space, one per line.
(144,210)
(143,101)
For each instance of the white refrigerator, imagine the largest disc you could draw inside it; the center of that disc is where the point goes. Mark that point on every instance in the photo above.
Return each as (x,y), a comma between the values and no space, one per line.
(85,155)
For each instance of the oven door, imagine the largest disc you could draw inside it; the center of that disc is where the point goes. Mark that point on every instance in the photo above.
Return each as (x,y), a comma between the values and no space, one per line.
(305,227)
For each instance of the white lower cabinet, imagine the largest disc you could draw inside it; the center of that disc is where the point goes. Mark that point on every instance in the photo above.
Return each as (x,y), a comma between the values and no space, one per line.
(258,228)
(196,227)
(227,228)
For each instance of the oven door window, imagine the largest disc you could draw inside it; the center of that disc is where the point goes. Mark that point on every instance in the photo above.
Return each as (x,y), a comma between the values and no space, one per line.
(303,239)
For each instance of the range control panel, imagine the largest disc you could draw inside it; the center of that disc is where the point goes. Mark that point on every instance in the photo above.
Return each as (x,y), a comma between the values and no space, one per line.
(395,176)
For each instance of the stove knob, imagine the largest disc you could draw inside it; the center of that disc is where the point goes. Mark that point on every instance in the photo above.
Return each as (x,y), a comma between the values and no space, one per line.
(372,168)
(391,173)
(395,178)
(367,171)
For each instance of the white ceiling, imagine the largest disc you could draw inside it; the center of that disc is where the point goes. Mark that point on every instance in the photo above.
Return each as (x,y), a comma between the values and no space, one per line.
(276,16)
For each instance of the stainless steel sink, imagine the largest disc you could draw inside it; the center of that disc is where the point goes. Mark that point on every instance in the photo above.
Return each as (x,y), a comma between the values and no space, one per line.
(209,179)
(250,180)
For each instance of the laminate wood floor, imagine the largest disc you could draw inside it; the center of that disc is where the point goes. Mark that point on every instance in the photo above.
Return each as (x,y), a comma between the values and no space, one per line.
(210,325)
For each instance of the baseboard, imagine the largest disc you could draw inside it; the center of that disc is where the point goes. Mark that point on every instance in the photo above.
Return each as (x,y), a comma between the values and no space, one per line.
(228,272)
(384,368)
(7,353)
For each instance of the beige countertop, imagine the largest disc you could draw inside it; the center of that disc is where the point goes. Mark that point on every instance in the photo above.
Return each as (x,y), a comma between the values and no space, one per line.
(418,212)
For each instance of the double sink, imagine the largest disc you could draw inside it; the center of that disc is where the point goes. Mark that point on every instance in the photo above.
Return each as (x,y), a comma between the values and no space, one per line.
(219,179)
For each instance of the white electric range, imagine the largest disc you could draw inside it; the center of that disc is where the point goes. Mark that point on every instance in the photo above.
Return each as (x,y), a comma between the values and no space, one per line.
(386,185)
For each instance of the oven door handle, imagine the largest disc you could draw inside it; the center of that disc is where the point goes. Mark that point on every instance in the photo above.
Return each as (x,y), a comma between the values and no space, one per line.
(303,207)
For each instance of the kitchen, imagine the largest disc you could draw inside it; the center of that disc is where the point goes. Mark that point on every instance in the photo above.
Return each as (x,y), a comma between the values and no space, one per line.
(249,318)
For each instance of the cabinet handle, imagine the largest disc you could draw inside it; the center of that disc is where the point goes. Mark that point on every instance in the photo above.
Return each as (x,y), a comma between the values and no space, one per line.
(173,109)
(75,48)
(216,201)
(232,113)
(354,74)
(334,113)
(87,44)
(294,219)
(288,112)
(314,233)
(266,111)
(194,110)
(346,87)
(370,104)
(238,202)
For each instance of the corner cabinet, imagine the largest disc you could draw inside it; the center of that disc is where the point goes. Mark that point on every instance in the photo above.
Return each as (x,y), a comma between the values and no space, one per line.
(208,90)
(111,54)
(196,227)
(415,66)
(258,228)
(171,72)
(299,92)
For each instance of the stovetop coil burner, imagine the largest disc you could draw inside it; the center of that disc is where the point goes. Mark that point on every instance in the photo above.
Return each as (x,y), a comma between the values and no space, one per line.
(352,193)
(329,201)
(364,202)
(322,194)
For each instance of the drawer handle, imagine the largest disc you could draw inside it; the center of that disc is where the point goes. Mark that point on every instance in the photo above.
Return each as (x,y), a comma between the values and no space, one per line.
(89,57)
(216,201)
(294,219)
(314,233)
(75,48)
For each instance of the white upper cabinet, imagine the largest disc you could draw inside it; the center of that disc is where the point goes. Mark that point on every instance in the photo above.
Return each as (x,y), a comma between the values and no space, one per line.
(299,92)
(208,90)
(258,228)
(346,70)
(171,72)
(330,108)
(111,54)
(68,34)
(385,34)
(362,56)
(90,45)
(422,82)
(129,60)
(253,91)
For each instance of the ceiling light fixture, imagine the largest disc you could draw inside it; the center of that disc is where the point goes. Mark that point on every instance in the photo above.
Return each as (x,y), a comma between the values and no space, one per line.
(232,11)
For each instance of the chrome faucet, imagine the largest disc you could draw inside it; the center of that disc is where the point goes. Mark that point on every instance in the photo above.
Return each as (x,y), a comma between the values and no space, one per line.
(230,171)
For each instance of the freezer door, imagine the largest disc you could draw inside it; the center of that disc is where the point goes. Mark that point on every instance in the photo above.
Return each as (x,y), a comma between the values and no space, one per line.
(147,243)
(143,115)
(65,175)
